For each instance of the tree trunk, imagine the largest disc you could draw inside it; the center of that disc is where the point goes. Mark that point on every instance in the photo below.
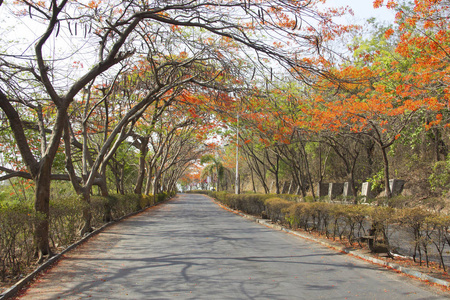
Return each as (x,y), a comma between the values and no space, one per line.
(277,179)
(149,180)
(308,173)
(116,171)
(42,207)
(386,173)
(354,190)
(218,177)
(87,214)
(370,148)
(352,182)
(253,181)
(155,184)
(439,145)
(122,180)
(142,170)
(107,217)
(140,179)
(40,171)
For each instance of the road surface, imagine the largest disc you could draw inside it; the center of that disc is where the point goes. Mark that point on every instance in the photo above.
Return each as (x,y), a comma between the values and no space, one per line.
(190,248)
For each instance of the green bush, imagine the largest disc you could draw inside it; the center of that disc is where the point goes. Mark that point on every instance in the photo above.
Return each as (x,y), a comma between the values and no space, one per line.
(101,209)
(320,215)
(414,221)
(440,178)
(289,197)
(398,201)
(382,218)
(250,203)
(16,237)
(65,221)
(429,228)
(308,199)
(338,226)
(436,232)
(146,201)
(354,217)
(298,215)
(126,204)
(276,208)
(161,197)
(222,197)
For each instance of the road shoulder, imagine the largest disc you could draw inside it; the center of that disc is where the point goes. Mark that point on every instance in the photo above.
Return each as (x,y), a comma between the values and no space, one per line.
(363,254)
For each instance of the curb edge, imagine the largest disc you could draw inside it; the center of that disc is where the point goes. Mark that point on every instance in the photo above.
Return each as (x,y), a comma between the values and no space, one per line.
(13,290)
(371,259)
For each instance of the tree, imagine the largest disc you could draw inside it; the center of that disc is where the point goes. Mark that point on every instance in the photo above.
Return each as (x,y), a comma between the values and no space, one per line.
(348,146)
(119,30)
(397,79)
(40,166)
(215,168)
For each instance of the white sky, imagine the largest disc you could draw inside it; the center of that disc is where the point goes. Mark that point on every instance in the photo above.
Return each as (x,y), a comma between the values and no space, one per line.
(16,33)
(363,10)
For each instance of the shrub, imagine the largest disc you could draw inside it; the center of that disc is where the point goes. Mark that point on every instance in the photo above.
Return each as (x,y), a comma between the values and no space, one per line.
(337,215)
(355,215)
(382,218)
(436,232)
(290,197)
(161,197)
(223,197)
(146,200)
(320,215)
(440,178)
(251,203)
(101,209)
(125,204)
(220,196)
(413,220)
(16,237)
(66,218)
(398,201)
(276,208)
(309,199)
(350,220)
(297,215)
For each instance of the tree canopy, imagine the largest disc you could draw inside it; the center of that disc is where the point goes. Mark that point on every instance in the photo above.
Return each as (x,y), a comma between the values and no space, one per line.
(109,91)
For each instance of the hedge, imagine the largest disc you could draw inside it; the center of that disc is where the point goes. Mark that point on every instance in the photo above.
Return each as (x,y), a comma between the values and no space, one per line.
(355,223)
(17,218)
(16,237)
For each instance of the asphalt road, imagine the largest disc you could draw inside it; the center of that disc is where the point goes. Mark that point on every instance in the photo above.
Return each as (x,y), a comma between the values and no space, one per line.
(190,248)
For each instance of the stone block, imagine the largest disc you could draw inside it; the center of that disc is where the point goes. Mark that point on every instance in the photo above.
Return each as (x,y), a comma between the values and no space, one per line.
(335,189)
(366,190)
(322,189)
(348,191)
(396,186)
